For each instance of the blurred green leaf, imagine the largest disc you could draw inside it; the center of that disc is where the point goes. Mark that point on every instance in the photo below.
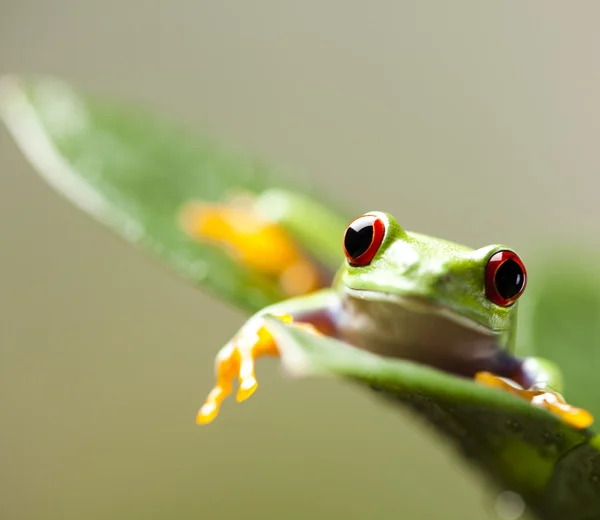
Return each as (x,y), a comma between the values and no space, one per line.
(554,467)
(562,321)
(133,173)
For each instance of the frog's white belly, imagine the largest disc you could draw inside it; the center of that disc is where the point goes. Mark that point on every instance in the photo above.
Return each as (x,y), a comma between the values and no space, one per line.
(416,331)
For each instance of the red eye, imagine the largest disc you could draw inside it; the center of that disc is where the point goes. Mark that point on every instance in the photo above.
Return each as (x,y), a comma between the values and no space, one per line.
(505,278)
(362,239)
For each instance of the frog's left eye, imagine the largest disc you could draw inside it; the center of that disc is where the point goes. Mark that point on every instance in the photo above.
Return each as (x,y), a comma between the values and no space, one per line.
(362,239)
(505,278)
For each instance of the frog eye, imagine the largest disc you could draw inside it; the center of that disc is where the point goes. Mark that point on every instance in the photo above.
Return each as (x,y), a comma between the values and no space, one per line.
(362,239)
(505,278)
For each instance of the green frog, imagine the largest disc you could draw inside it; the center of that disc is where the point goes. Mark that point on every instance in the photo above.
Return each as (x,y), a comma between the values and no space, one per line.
(407,295)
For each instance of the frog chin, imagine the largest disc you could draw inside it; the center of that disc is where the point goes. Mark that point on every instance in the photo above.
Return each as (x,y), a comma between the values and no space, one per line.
(418,304)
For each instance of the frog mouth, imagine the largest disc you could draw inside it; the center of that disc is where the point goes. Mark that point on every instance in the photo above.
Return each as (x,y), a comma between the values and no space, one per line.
(421,305)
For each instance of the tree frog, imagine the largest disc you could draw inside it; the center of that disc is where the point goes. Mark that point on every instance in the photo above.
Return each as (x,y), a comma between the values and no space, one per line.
(410,296)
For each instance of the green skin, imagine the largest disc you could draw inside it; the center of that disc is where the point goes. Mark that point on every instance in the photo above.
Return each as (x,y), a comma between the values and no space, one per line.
(423,299)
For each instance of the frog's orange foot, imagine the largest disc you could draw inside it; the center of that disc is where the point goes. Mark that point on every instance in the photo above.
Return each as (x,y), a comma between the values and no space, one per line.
(551,401)
(237,360)
(258,243)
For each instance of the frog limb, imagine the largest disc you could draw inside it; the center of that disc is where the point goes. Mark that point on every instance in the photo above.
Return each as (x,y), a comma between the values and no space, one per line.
(262,244)
(317,227)
(540,374)
(539,381)
(254,340)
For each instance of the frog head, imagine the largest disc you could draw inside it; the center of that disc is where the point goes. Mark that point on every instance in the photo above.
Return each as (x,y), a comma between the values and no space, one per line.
(477,287)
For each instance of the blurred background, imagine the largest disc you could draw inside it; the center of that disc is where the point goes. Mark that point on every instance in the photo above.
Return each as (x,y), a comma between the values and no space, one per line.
(477,122)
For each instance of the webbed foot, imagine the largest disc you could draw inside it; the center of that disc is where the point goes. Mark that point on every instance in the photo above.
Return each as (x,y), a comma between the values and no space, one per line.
(260,244)
(543,398)
(237,360)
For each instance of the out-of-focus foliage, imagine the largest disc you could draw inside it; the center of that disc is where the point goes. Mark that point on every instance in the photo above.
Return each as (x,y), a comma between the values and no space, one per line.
(135,174)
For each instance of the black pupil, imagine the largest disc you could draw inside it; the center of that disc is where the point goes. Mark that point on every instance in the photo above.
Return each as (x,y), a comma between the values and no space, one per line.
(509,279)
(359,236)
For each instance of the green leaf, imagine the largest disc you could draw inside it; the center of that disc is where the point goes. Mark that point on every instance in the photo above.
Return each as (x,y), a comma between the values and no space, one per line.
(555,468)
(134,172)
(563,321)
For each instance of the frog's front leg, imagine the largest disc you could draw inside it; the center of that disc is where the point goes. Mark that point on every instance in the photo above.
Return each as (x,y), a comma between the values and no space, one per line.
(539,381)
(236,359)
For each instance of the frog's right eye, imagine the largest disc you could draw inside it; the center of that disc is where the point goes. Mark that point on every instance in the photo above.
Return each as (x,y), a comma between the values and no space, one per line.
(362,239)
(505,278)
